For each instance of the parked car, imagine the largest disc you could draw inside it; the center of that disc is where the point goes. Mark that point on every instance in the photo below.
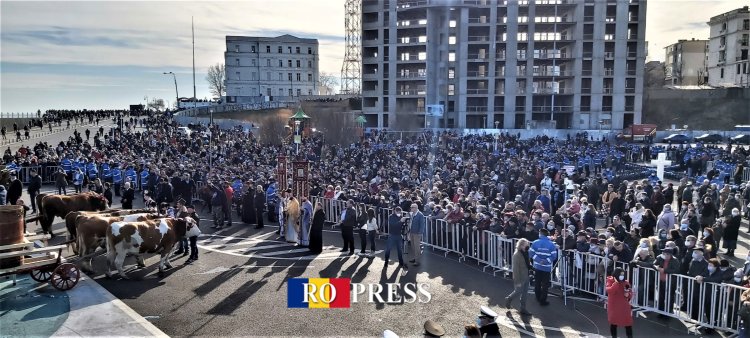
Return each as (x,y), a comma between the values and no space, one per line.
(741,139)
(676,138)
(709,138)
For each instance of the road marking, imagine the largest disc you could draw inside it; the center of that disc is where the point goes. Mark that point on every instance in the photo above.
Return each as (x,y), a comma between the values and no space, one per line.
(507,322)
(276,253)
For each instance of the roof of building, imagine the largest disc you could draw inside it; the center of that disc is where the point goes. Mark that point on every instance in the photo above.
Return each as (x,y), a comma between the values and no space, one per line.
(728,15)
(280,38)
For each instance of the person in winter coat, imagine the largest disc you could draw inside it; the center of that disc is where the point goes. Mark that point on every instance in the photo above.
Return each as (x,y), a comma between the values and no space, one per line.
(521,267)
(61,182)
(733,201)
(128,195)
(15,190)
(3,194)
(618,303)
(666,219)
(731,232)
(708,213)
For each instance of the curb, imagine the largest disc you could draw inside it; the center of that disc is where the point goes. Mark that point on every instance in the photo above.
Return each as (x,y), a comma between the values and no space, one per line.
(94,311)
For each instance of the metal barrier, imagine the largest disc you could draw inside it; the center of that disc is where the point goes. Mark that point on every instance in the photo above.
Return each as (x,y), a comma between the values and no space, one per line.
(746,175)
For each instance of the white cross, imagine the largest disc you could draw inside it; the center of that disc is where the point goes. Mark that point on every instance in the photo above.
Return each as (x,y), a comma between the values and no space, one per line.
(660,162)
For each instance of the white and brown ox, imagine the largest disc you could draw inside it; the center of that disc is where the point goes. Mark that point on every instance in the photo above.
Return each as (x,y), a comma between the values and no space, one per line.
(72,225)
(136,238)
(92,232)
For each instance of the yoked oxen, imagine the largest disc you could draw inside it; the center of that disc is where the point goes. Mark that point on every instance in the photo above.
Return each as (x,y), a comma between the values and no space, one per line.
(92,233)
(70,221)
(136,238)
(60,205)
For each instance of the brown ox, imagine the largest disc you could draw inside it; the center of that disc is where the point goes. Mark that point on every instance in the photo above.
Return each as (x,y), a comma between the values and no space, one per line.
(92,232)
(157,236)
(60,205)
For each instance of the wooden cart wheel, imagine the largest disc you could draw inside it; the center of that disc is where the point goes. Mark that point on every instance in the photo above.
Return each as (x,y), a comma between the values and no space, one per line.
(65,276)
(41,275)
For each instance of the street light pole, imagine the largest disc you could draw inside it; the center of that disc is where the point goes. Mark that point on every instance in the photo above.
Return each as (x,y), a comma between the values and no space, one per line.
(177,95)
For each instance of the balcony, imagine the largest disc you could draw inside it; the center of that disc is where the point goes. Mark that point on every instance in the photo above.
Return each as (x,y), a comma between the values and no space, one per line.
(586,72)
(370,76)
(550,55)
(588,18)
(553,73)
(476,109)
(550,109)
(588,36)
(370,59)
(410,40)
(633,36)
(478,38)
(606,108)
(588,55)
(630,72)
(500,56)
(610,19)
(479,20)
(586,90)
(499,91)
(410,58)
(411,92)
(632,54)
(606,90)
(500,73)
(412,4)
(629,90)
(370,93)
(609,72)
(477,91)
(411,75)
(411,23)
(476,57)
(475,73)
(632,18)
(609,55)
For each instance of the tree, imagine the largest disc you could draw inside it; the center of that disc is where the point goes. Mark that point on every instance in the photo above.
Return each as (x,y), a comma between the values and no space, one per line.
(156,104)
(328,83)
(216,77)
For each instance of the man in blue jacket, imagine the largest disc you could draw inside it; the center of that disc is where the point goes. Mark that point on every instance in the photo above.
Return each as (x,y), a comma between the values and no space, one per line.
(543,254)
(117,179)
(415,233)
(396,224)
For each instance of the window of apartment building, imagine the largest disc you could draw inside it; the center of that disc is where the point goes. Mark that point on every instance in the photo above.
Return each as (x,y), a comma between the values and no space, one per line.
(721,73)
(268,76)
(309,63)
(281,50)
(253,62)
(281,76)
(290,91)
(722,40)
(722,55)
(309,92)
(253,76)
(298,50)
(268,91)
(237,74)
(299,77)
(451,73)
(451,56)
(452,24)
(298,63)
(723,26)
(290,49)
(252,49)
(281,91)
(237,62)
(451,40)
(746,24)
(268,62)
(422,56)
(309,50)
(451,89)
(236,48)
(268,50)
(299,92)
(289,62)
(309,77)
(281,63)
(289,76)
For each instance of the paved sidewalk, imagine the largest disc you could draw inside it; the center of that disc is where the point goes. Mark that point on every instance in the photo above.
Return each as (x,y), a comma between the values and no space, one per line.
(88,310)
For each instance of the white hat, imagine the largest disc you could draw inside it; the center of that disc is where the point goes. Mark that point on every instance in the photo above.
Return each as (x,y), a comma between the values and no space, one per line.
(389,334)
(487,312)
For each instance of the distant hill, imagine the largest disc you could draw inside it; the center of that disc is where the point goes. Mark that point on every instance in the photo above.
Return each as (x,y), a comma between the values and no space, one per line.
(700,109)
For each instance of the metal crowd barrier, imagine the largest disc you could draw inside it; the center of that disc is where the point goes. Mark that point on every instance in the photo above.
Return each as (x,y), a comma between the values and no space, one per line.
(746,175)
(705,305)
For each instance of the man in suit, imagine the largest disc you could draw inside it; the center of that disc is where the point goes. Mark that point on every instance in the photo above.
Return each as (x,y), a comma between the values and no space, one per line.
(347,227)
(35,185)
(415,233)
(15,190)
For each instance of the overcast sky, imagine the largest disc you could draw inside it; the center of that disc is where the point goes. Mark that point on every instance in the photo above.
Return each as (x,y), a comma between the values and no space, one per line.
(92,54)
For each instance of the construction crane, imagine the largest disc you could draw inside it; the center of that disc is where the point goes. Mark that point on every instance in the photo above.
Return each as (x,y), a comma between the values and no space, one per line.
(351,69)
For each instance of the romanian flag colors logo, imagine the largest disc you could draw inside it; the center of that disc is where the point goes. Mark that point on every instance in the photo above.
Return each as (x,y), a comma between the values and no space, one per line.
(318,293)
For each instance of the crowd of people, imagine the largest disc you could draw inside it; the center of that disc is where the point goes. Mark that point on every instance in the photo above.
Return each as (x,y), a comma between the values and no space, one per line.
(574,194)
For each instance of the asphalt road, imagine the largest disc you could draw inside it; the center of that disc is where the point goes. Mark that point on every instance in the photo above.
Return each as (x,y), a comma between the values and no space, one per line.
(238,287)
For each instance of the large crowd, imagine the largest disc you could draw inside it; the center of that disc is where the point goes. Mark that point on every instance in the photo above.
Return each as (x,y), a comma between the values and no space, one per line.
(582,194)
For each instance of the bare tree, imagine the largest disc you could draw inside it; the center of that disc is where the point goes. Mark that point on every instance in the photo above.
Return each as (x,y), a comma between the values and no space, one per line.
(273,129)
(336,127)
(216,77)
(328,83)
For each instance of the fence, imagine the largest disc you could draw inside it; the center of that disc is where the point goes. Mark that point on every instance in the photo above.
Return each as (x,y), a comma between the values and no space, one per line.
(703,304)
(47,173)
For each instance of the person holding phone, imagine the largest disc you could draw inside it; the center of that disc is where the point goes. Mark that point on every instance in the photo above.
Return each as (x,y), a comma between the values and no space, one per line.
(619,294)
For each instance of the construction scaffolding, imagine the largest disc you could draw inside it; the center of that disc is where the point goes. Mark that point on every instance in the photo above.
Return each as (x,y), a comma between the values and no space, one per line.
(351,69)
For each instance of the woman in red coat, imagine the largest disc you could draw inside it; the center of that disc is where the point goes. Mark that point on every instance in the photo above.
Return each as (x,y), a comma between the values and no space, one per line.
(618,303)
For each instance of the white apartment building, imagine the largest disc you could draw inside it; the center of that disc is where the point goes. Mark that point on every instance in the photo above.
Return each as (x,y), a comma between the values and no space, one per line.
(685,63)
(567,64)
(728,62)
(270,69)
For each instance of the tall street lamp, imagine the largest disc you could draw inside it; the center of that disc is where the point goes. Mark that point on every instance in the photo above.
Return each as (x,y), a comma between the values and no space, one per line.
(177,95)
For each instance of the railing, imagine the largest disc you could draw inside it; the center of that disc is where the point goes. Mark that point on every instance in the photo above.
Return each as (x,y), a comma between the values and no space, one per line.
(550,55)
(475,109)
(411,92)
(608,90)
(630,71)
(410,58)
(477,57)
(609,72)
(478,38)
(548,109)
(588,36)
(475,73)
(609,55)
(629,90)
(585,90)
(479,20)
(411,75)
(500,56)
(476,91)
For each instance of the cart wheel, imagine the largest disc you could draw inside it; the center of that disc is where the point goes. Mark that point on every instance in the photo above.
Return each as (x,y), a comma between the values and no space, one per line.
(41,275)
(65,276)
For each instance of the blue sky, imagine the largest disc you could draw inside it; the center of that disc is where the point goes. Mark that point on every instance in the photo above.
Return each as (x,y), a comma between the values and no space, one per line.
(108,54)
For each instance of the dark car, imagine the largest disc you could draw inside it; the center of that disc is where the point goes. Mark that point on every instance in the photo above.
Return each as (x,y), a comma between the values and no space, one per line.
(676,138)
(741,139)
(709,138)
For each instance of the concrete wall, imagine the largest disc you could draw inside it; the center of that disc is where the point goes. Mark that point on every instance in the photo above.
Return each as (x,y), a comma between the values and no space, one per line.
(705,109)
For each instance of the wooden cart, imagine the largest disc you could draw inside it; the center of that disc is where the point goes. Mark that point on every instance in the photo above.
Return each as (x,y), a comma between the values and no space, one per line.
(44,264)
